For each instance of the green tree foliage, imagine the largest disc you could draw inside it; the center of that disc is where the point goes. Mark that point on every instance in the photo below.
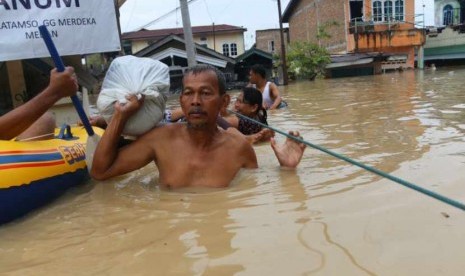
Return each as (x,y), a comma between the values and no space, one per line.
(322,32)
(307,60)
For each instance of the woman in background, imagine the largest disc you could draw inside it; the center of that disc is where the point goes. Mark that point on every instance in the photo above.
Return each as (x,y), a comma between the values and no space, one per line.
(249,103)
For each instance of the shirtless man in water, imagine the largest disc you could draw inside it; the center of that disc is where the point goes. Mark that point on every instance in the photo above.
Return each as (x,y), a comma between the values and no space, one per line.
(271,96)
(196,153)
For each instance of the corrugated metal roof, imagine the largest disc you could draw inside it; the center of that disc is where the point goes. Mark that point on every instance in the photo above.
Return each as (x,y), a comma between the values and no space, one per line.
(151,49)
(253,51)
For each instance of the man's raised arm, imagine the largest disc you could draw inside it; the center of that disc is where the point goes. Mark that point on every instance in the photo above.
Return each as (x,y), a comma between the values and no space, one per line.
(110,161)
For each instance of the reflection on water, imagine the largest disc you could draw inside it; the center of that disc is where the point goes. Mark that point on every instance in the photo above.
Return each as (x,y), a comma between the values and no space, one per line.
(325,218)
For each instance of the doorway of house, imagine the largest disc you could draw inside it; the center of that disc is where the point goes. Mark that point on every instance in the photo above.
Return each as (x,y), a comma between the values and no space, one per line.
(356,10)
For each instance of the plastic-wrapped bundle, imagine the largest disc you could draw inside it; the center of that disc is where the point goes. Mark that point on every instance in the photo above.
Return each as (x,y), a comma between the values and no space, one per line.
(133,75)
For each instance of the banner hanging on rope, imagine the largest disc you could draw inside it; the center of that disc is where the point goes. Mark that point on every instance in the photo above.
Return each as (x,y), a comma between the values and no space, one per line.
(77,27)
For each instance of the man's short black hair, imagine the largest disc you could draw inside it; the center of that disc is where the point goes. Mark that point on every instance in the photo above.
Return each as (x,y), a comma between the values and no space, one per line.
(200,68)
(259,69)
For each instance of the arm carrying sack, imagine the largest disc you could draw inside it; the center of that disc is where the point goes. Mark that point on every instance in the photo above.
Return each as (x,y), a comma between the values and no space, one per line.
(133,75)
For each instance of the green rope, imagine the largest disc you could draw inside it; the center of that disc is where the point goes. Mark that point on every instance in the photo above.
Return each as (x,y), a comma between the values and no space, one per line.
(363,166)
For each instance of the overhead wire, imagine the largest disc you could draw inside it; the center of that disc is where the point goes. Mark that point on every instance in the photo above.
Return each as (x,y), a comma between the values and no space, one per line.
(162,17)
(208,11)
(225,8)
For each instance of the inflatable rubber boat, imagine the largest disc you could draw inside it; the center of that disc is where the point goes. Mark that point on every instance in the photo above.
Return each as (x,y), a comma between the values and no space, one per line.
(36,172)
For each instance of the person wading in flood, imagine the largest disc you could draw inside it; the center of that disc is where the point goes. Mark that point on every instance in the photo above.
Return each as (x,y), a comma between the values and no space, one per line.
(249,104)
(271,96)
(196,153)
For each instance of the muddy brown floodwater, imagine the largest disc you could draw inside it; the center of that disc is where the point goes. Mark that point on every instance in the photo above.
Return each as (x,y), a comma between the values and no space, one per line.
(325,218)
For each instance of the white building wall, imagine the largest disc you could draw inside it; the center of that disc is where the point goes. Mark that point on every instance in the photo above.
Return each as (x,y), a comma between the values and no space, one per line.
(220,39)
(439,10)
(139,45)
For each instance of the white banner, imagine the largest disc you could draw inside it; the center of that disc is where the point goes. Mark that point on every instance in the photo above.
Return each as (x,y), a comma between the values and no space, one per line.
(76,26)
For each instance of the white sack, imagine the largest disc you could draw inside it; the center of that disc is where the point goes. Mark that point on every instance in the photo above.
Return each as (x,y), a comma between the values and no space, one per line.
(133,75)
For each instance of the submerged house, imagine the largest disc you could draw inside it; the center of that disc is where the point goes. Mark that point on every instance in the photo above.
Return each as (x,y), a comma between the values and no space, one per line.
(251,57)
(384,31)
(171,50)
(217,45)
(445,41)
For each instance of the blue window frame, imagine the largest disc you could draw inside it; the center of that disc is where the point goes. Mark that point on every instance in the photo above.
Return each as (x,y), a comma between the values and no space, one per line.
(399,10)
(448,15)
(377,11)
(388,11)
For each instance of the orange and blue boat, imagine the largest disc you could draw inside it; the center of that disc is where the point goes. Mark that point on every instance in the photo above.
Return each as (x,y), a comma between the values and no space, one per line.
(32,173)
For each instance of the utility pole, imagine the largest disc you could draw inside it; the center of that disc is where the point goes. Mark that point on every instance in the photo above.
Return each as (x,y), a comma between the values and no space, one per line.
(118,4)
(283,46)
(186,23)
(421,50)
(214,38)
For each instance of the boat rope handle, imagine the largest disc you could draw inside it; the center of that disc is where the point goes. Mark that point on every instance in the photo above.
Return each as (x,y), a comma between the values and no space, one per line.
(405,183)
(35,137)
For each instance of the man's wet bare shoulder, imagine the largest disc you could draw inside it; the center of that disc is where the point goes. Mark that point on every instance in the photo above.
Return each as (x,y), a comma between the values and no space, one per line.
(242,148)
(173,134)
(162,136)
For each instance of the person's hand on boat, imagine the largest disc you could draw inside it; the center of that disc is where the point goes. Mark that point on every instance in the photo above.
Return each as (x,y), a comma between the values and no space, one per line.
(63,84)
(290,153)
(130,106)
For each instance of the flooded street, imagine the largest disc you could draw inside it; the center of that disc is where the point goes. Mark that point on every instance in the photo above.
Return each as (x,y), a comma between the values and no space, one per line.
(327,217)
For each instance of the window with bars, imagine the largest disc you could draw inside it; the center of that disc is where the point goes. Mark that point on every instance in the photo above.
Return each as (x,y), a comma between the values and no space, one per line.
(377,11)
(388,10)
(226,49)
(399,10)
(233,48)
(448,15)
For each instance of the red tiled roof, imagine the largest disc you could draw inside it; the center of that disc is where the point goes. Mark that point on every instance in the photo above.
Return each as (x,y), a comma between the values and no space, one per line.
(145,34)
